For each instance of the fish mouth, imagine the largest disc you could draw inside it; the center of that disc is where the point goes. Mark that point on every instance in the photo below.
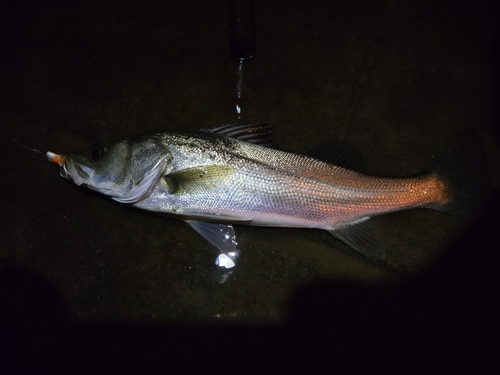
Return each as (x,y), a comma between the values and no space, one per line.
(70,170)
(76,173)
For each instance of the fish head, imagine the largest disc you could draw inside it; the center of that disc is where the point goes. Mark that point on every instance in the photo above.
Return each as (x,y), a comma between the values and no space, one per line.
(126,170)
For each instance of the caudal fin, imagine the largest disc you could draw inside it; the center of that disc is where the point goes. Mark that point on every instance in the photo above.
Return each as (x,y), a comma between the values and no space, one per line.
(465,174)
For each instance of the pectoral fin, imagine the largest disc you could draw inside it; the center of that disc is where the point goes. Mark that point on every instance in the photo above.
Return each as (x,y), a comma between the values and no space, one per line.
(198,179)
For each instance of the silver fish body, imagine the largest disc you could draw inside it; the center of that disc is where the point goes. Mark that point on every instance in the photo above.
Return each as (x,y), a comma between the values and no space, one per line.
(222,179)
(205,177)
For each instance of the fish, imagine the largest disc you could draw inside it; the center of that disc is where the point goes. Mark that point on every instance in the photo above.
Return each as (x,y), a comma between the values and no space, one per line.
(235,174)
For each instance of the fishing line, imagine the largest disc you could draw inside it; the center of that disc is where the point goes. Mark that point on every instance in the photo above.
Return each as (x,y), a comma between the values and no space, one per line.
(19,143)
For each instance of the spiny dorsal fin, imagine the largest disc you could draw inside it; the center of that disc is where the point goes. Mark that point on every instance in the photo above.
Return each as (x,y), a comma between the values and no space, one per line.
(260,134)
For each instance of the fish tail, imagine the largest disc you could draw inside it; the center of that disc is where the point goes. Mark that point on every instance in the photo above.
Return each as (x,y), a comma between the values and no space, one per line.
(464,174)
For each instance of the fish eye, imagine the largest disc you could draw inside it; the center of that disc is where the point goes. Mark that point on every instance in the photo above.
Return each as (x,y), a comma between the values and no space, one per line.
(97,151)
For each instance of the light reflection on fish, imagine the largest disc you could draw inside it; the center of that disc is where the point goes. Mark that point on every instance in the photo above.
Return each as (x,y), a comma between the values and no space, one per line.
(232,175)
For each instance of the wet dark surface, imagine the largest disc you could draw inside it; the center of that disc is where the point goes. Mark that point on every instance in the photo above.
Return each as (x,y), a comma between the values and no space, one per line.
(80,274)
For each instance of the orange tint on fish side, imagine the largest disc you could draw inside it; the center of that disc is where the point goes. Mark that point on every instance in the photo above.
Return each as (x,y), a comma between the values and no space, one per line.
(360,195)
(395,194)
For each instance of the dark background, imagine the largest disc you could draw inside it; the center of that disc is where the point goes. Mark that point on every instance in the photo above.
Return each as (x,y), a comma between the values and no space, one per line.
(84,279)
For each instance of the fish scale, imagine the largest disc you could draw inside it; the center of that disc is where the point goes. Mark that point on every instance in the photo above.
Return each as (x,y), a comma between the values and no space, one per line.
(211,180)
(277,188)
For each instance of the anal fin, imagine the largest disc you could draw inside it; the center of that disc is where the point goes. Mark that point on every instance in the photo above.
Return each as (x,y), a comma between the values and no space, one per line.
(362,236)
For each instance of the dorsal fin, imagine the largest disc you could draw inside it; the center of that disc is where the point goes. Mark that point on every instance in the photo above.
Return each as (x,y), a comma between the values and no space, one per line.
(260,134)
